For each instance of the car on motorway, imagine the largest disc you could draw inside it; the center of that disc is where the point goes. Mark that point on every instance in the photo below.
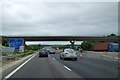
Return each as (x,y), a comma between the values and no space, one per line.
(68,53)
(51,51)
(43,53)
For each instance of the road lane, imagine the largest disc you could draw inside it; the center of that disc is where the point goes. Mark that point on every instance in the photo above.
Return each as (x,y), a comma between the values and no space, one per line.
(65,71)
(54,67)
(7,69)
(14,71)
(90,67)
(45,67)
(36,68)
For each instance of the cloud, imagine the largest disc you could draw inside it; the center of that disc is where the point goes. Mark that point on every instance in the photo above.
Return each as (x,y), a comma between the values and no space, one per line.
(60,18)
(0,17)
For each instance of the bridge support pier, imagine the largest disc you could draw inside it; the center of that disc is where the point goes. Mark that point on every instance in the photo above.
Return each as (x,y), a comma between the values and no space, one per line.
(72,44)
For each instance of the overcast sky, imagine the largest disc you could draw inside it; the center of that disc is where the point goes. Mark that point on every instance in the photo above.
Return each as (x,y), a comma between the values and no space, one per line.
(60,18)
(53,42)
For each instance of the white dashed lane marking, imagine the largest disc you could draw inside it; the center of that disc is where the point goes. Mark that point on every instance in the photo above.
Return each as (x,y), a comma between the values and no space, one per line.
(53,58)
(67,68)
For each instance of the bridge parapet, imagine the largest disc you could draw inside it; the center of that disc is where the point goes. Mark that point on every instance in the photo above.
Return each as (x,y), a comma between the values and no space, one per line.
(65,38)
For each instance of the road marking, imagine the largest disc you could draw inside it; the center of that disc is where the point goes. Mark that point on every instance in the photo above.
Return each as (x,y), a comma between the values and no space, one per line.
(67,68)
(53,58)
(9,75)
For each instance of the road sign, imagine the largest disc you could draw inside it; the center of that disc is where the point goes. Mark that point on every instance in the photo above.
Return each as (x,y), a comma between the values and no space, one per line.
(16,43)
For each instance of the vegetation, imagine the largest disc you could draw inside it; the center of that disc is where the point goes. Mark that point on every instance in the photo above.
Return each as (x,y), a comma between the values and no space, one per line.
(88,45)
(29,51)
(5,41)
(34,47)
(1,46)
(111,35)
(76,47)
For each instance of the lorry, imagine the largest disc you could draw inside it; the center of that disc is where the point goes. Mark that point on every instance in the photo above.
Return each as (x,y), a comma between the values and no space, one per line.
(106,46)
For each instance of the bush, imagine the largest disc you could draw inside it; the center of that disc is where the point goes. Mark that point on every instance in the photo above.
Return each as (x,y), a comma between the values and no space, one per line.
(15,52)
(29,51)
(4,54)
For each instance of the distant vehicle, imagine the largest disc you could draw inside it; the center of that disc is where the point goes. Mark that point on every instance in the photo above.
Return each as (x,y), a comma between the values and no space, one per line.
(68,53)
(113,47)
(106,46)
(43,53)
(51,51)
(56,48)
(47,48)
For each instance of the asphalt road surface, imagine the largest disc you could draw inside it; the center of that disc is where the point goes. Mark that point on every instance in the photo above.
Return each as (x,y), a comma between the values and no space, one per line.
(54,67)
(90,67)
(45,67)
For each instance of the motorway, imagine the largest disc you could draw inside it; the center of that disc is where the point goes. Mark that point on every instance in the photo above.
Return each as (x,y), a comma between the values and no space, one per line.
(91,68)
(54,67)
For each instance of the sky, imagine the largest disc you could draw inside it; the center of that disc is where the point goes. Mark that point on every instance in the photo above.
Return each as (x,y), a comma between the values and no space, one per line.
(53,42)
(59,18)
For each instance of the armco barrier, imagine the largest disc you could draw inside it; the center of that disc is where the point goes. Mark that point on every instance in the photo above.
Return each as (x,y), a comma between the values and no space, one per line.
(14,57)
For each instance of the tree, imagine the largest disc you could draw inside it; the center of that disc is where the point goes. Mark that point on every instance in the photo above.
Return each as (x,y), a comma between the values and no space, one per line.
(88,45)
(111,35)
(5,41)
(34,47)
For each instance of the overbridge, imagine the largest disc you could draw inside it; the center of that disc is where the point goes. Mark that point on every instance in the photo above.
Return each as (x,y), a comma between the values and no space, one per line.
(72,39)
(65,38)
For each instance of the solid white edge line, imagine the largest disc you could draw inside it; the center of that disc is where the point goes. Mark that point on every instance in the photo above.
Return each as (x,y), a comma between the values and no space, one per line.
(67,68)
(9,75)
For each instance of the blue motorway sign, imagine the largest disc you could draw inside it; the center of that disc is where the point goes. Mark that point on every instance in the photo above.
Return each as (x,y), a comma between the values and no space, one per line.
(16,43)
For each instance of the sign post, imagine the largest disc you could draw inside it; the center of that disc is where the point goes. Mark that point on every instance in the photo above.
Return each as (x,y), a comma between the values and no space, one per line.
(21,49)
